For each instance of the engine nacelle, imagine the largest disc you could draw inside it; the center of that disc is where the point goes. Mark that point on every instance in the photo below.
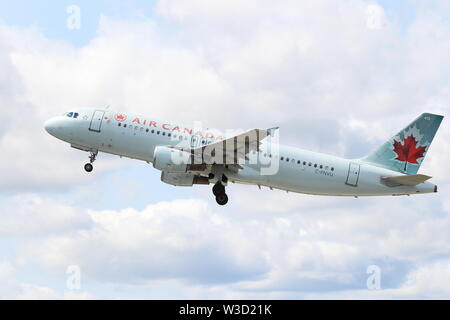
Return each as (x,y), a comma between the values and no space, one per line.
(171,160)
(183,179)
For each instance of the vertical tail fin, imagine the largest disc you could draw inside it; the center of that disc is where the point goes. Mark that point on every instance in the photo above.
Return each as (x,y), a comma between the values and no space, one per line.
(406,150)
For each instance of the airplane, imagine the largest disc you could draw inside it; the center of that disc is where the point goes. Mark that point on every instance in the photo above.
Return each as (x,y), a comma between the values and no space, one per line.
(188,156)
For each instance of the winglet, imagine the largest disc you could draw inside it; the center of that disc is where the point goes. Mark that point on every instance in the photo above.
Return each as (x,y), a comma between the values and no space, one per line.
(271,131)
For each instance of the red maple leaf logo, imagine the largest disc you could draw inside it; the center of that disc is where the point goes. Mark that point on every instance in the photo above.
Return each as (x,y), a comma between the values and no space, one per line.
(120,117)
(408,151)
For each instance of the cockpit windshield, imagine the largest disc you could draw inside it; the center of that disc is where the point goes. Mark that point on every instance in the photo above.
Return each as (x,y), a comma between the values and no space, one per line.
(72,115)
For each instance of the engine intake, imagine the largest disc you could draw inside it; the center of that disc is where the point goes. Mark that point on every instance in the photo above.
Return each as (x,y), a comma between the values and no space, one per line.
(175,161)
(171,160)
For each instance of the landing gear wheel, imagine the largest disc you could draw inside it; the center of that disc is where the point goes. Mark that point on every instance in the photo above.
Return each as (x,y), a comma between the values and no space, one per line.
(218,189)
(222,199)
(88,167)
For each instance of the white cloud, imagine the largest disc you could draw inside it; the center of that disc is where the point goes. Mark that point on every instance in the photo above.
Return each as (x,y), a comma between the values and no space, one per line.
(316,64)
(431,281)
(339,77)
(179,239)
(12,288)
(30,215)
(240,253)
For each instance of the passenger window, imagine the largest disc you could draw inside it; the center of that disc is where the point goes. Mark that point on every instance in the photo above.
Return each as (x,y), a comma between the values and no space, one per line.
(321,167)
(310,164)
(153,131)
(282,158)
(157,132)
(332,169)
(315,165)
(168,134)
(298,161)
(120,124)
(304,163)
(163,133)
(146,130)
(287,159)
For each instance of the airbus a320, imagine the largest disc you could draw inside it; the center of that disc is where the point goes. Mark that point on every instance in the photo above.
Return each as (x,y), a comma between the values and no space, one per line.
(187,156)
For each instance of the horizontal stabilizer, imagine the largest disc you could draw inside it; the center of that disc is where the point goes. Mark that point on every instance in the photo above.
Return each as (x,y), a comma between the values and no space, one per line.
(406,180)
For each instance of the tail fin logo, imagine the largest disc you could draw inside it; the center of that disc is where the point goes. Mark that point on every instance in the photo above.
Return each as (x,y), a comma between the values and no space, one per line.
(408,152)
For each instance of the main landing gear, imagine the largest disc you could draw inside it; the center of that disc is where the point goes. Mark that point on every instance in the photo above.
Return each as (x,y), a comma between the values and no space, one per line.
(88,166)
(219,193)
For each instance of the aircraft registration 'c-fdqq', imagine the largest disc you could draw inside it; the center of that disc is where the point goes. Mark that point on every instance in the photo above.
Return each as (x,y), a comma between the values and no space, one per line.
(187,156)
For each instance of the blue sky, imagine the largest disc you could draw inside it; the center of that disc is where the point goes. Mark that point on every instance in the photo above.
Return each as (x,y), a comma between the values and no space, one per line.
(333,82)
(51,16)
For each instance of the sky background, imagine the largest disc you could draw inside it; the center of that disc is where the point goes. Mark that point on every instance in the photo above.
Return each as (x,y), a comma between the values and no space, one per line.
(338,77)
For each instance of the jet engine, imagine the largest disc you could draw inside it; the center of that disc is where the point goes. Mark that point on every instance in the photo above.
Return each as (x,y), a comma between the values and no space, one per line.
(183,179)
(173,160)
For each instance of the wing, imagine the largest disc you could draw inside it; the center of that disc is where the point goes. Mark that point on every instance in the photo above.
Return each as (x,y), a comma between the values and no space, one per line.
(405,180)
(230,151)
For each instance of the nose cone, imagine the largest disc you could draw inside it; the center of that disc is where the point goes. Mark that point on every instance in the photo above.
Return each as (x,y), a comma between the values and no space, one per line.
(57,127)
(51,126)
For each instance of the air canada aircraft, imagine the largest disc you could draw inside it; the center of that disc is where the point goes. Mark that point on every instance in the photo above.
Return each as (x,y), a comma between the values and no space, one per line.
(187,155)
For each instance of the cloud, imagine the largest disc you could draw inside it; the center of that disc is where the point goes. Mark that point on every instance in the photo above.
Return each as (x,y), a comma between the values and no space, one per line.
(180,239)
(243,253)
(319,66)
(12,288)
(338,77)
(30,215)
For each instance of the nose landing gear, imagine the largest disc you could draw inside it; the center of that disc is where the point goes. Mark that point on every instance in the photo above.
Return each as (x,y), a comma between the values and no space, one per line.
(88,166)
(219,192)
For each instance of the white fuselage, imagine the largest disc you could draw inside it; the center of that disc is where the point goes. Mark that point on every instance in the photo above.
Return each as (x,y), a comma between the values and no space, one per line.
(305,171)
